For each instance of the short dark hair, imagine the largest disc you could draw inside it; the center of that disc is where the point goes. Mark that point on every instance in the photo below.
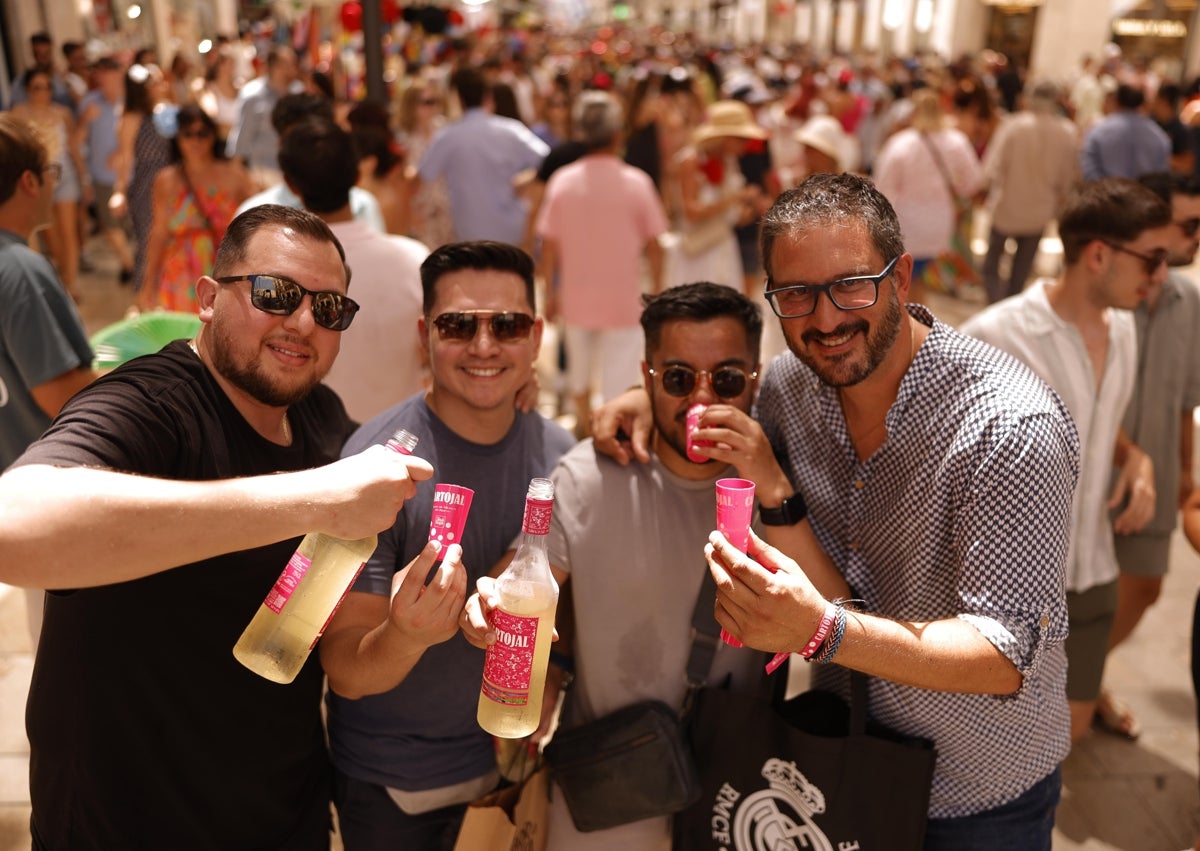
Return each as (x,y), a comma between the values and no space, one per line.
(371,140)
(236,242)
(1170,94)
(470,86)
(30,73)
(40,38)
(1111,209)
(1130,97)
(319,160)
(69,48)
(482,255)
(21,150)
(827,199)
(291,109)
(190,114)
(699,302)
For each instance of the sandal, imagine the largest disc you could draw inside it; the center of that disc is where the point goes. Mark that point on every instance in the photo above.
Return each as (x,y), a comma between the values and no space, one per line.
(1112,716)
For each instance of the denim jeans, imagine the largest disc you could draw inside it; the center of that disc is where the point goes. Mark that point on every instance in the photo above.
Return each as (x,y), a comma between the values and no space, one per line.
(1026,822)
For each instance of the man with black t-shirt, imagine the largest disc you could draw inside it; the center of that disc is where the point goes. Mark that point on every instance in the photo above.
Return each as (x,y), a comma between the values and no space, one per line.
(159,508)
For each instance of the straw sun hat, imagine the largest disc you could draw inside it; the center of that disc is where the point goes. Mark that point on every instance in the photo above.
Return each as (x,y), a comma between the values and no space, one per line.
(728,118)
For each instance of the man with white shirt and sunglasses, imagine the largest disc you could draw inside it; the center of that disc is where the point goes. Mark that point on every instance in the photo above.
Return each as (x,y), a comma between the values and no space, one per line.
(408,752)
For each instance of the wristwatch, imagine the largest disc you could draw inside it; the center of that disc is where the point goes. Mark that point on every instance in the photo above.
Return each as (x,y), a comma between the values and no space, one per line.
(790,512)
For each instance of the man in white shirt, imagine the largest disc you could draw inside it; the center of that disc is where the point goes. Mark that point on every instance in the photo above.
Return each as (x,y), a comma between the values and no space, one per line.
(1077,333)
(379,364)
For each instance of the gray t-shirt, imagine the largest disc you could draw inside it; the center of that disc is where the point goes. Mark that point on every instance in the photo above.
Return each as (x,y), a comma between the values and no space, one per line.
(41,337)
(632,539)
(423,734)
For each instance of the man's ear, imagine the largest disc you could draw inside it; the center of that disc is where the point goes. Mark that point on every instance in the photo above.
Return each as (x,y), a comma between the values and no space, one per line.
(206,295)
(902,275)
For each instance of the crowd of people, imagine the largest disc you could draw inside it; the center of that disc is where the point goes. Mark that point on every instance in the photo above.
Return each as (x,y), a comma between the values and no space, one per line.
(987,510)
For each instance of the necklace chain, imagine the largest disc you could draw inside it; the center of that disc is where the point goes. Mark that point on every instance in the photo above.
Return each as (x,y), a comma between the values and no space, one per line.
(285,423)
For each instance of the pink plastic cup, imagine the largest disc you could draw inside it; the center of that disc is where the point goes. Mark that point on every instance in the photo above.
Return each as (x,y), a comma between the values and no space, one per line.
(735,505)
(450,506)
(692,423)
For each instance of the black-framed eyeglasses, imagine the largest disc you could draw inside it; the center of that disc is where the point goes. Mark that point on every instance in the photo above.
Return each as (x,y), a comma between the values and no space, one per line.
(281,296)
(1190,227)
(1152,261)
(846,294)
(728,382)
(55,170)
(462,326)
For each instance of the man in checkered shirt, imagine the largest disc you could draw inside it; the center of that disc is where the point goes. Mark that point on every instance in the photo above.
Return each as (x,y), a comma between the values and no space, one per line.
(938,475)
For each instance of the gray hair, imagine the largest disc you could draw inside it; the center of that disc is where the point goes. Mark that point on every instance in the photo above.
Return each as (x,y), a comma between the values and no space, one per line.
(598,117)
(823,200)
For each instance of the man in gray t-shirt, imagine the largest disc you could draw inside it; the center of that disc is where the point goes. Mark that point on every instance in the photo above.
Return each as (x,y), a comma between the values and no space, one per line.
(632,616)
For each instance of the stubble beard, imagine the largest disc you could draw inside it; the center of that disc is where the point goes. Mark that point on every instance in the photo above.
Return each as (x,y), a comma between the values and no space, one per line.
(251,378)
(842,370)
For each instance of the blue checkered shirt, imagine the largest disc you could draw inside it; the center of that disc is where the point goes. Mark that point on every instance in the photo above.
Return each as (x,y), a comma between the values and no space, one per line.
(964,512)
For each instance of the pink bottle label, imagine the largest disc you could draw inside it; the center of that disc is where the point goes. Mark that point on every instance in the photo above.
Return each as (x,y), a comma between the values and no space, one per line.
(537,516)
(297,566)
(508,666)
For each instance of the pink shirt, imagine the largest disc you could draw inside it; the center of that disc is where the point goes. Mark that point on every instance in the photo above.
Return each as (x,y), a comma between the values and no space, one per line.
(907,173)
(601,212)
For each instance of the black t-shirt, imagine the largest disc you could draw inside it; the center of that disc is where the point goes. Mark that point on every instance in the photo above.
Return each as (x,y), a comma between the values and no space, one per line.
(560,155)
(145,732)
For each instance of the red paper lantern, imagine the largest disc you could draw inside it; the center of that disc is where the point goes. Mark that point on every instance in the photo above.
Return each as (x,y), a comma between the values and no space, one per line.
(390,11)
(455,18)
(351,16)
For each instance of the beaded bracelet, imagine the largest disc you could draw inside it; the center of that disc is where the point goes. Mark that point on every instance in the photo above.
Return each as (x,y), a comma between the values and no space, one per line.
(835,638)
(822,631)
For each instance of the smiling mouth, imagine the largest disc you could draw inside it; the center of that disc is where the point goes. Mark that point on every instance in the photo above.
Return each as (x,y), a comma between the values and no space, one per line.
(288,351)
(480,372)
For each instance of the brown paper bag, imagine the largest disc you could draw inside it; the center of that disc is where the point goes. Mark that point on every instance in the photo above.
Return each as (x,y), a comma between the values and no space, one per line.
(512,819)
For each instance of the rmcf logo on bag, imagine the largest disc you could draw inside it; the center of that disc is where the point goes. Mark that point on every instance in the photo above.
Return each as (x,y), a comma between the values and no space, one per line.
(778,818)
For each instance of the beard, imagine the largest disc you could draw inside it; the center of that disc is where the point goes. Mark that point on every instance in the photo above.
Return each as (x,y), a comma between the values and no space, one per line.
(845,370)
(251,378)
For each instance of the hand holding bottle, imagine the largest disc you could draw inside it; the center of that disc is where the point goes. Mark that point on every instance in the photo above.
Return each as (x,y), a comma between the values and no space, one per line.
(476,618)
(427,614)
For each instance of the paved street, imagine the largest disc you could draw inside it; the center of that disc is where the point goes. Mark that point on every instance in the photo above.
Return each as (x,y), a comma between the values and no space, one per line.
(1118,795)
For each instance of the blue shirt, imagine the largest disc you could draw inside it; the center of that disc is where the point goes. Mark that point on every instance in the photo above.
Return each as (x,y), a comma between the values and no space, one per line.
(101,136)
(479,156)
(423,734)
(963,512)
(1124,144)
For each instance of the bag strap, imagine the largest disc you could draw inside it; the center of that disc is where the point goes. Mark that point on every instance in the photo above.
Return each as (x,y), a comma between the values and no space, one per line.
(941,166)
(705,635)
(199,203)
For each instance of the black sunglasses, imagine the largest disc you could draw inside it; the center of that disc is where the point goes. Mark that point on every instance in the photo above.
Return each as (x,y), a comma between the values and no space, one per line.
(1190,227)
(1153,260)
(861,291)
(463,325)
(728,382)
(281,296)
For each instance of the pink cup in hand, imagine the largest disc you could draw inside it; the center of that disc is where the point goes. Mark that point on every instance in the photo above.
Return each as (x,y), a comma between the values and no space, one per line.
(735,505)
(692,423)
(450,506)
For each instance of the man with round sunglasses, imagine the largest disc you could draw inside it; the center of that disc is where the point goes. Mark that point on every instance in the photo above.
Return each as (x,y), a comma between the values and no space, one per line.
(1159,420)
(159,509)
(937,475)
(408,752)
(1076,331)
(624,540)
